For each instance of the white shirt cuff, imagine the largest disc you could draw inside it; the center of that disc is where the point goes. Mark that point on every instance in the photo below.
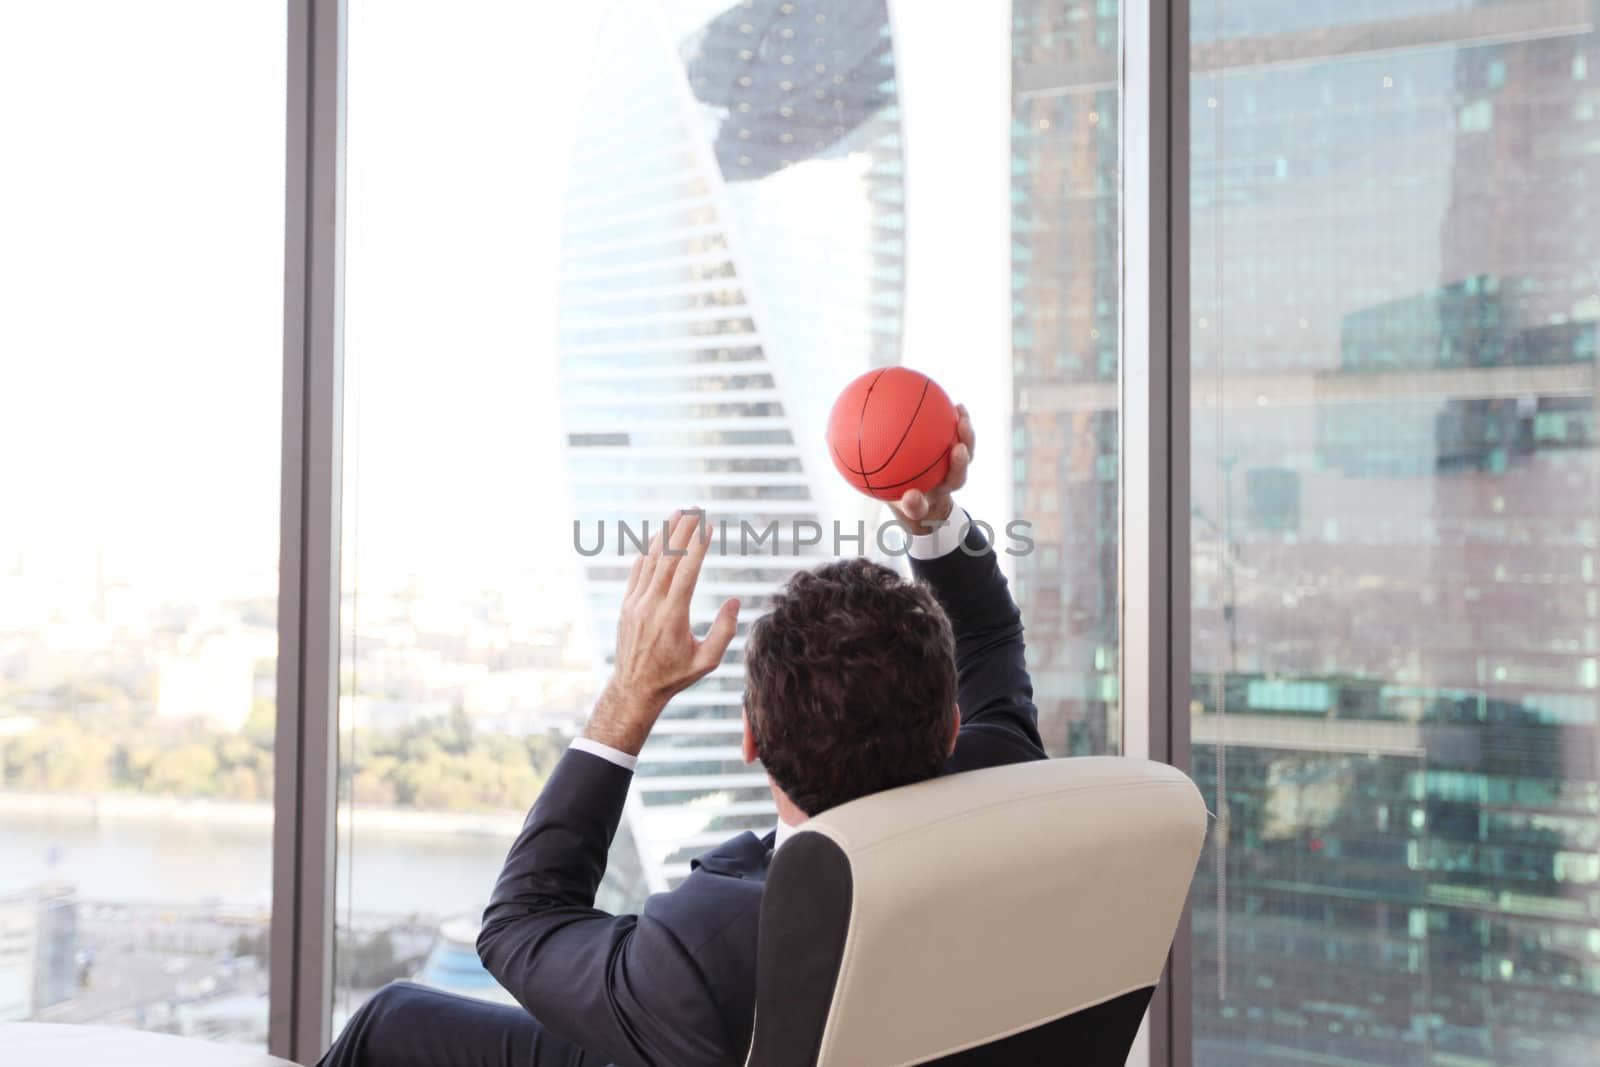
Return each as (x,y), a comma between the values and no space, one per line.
(944,539)
(605,752)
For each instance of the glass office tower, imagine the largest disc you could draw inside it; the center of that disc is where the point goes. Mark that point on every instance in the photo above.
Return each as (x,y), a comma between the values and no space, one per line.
(1396,528)
(1395,506)
(1066,316)
(731,255)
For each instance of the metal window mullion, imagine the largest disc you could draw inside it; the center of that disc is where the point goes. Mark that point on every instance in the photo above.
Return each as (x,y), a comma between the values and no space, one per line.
(1154,425)
(306,751)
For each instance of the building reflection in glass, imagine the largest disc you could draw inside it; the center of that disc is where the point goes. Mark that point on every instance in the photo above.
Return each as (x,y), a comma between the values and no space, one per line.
(1396,528)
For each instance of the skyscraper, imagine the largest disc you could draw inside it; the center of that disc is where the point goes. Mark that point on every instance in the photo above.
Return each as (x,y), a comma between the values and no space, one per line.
(731,254)
(38,949)
(1395,506)
(1066,318)
(1396,500)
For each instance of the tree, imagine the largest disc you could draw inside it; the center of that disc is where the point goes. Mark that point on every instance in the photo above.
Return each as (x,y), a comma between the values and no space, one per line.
(189,770)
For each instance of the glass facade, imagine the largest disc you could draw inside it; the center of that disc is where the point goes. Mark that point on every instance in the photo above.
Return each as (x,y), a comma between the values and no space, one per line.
(1065,337)
(1395,529)
(141,327)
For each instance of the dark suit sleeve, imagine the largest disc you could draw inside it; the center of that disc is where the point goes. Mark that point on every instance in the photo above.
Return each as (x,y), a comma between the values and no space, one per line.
(621,986)
(999,722)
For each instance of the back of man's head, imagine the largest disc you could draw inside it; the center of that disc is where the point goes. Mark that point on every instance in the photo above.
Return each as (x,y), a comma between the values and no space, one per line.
(850,684)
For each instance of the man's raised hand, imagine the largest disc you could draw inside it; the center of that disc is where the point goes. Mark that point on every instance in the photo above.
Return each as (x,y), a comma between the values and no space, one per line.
(658,655)
(917,509)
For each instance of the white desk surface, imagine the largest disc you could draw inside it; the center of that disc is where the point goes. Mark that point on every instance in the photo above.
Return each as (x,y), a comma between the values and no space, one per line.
(56,1045)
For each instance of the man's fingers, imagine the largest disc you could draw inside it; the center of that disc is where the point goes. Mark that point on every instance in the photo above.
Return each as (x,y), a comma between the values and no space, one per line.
(960,458)
(688,572)
(914,504)
(633,575)
(715,644)
(964,431)
(680,532)
(652,557)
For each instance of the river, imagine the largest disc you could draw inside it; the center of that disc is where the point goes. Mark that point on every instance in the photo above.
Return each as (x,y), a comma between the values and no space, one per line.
(392,871)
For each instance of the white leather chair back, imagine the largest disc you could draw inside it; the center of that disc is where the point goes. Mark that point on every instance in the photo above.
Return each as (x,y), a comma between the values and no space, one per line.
(1015,915)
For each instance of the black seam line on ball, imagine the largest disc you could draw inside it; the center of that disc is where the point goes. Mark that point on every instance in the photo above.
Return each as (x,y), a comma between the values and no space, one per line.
(861,423)
(926,382)
(920,473)
(844,462)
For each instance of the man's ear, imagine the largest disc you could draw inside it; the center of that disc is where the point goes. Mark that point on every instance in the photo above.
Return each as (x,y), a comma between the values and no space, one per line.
(748,742)
(955,730)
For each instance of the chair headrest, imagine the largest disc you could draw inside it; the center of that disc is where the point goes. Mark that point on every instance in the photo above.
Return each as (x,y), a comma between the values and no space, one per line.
(977,905)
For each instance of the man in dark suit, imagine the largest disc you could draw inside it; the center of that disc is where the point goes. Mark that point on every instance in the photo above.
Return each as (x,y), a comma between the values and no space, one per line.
(856,681)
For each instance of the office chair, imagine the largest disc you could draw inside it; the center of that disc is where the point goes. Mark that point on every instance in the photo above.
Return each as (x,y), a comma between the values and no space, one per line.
(1013,916)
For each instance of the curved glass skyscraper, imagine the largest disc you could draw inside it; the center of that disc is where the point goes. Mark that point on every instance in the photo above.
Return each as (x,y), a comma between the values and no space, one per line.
(731,255)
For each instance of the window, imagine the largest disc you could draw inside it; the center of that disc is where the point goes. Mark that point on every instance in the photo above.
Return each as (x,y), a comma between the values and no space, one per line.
(635,275)
(141,258)
(617,281)
(1066,314)
(464,666)
(1396,522)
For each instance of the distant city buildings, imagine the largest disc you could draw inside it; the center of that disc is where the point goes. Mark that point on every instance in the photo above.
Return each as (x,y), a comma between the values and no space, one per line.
(1065,337)
(1395,507)
(507,668)
(1396,591)
(38,950)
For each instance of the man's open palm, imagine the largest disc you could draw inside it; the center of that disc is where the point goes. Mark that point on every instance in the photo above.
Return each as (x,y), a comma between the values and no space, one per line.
(658,655)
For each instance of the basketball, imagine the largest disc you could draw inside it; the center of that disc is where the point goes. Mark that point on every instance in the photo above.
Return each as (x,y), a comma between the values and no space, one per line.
(892,430)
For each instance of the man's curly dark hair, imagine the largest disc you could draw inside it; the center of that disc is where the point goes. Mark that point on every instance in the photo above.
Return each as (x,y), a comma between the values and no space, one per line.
(850,684)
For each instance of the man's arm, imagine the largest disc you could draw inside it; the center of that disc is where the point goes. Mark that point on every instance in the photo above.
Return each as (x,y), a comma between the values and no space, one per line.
(999,722)
(619,986)
(593,978)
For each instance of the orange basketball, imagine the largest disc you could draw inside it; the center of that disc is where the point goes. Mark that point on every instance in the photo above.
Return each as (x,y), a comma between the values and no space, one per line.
(892,430)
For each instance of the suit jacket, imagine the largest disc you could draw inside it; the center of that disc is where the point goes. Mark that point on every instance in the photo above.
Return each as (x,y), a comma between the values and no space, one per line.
(674,986)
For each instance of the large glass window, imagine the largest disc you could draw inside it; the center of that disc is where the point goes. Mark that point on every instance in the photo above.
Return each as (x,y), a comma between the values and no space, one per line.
(141,259)
(1066,310)
(633,274)
(686,200)
(630,276)
(464,661)
(1396,532)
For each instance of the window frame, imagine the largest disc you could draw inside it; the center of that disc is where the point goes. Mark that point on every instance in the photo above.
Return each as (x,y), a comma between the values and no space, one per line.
(1154,442)
(300,996)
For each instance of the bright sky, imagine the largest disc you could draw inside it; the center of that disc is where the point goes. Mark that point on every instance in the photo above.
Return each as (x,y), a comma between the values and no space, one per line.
(458,137)
(141,229)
